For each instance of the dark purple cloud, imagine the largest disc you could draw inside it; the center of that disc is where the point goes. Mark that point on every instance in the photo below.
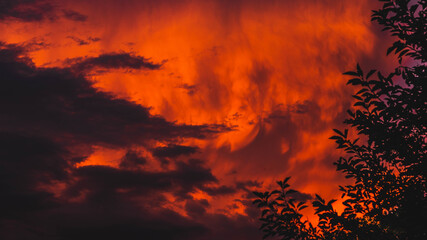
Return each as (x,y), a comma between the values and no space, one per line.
(113,61)
(73,15)
(191,89)
(25,163)
(173,151)
(103,182)
(132,160)
(82,42)
(26,10)
(36,11)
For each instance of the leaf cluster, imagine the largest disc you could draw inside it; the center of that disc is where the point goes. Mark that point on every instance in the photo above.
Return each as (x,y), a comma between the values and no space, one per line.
(387,161)
(281,214)
(407,21)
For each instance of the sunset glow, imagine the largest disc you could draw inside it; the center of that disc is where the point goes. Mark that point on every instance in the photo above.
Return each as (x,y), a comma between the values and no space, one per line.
(212,100)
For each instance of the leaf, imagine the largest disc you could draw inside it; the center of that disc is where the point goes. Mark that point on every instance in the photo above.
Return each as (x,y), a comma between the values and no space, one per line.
(265,211)
(357,97)
(302,207)
(354,81)
(370,73)
(386,28)
(359,104)
(362,91)
(390,49)
(403,53)
(320,199)
(338,132)
(258,194)
(351,74)
(359,70)
(413,9)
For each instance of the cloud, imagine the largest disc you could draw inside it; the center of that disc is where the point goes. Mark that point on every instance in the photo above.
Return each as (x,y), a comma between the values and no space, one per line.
(101,183)
(112,202)
(36,11)
(196,208)
(26,162)
(73,15)
(55,102)
(229,190)
(173,151)
(221,190)
(27,10)
(191,89)
(82,42)
(85,221)
(47,114)
(100,201)
(113,61)
(132,160)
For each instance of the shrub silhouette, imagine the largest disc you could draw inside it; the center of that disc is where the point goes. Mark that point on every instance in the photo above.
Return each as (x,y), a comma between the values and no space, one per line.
(388,197)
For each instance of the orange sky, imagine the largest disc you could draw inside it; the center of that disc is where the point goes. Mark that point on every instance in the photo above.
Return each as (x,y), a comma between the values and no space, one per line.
(270,70)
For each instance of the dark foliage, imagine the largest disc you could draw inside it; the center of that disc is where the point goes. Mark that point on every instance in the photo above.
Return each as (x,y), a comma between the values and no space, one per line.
(388,164)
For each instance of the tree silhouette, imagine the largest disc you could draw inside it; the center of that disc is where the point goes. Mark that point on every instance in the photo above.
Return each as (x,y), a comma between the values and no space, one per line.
(388,165)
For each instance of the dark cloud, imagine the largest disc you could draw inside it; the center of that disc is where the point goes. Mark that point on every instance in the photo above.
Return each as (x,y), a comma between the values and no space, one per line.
(82,42)
(113,61)
(55,102)
(196,208)
(123,221)
(31,45)
(191,89)
(25,163)
(173,151)
(27,10)
(36,11)
(226,227)
(132,159)
(117,225)
(79,41)
(102,183)
(48,113)
(302,196)
(246,186)
(220,190)
(111,202)
(304,107)
(74,16)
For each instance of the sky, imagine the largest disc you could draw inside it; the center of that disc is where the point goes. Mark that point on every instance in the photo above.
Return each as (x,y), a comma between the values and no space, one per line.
(143,119)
